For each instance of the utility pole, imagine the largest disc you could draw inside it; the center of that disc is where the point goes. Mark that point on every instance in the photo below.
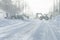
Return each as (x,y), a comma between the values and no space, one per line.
(59,6)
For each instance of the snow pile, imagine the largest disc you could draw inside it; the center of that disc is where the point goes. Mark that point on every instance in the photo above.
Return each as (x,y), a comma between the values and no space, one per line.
(6,22)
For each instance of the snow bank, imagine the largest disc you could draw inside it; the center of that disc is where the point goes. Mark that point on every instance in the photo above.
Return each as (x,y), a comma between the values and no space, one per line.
(6,22)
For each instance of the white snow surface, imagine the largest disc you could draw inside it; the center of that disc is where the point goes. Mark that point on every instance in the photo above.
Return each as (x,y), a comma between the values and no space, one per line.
(30,30)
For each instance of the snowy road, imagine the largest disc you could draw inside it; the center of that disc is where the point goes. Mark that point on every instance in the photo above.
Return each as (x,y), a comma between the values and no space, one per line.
(29,30)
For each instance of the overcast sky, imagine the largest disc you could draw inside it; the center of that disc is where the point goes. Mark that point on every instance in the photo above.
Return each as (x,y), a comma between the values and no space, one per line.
(42,6)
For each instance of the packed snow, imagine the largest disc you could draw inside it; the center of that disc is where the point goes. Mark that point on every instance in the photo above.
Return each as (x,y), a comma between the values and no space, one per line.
(30,30)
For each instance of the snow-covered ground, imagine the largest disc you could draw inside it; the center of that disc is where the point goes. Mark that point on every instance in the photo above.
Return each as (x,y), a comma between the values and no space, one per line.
(7,22)
(30,30)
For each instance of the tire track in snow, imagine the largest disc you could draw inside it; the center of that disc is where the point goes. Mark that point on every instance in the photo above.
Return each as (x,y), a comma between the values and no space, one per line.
(53,34)
(25,29)
(13,31)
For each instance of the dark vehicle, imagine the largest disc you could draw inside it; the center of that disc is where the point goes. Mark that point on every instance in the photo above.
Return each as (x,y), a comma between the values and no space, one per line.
(44,17)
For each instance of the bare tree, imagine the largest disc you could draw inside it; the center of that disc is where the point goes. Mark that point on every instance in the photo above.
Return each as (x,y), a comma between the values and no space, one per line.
(9,8)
